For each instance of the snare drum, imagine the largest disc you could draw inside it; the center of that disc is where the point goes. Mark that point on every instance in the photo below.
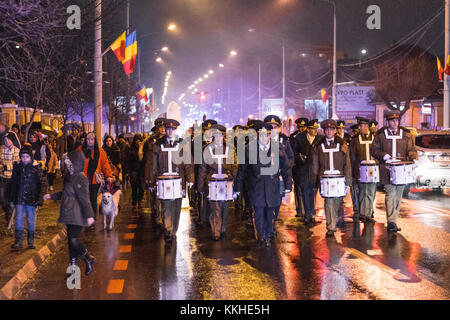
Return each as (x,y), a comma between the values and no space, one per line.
(168,187)
(220,189)
(332,186)
(402,173)
(369,173)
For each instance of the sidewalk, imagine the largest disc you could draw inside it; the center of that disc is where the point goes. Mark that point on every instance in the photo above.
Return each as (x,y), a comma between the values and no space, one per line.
(17,267)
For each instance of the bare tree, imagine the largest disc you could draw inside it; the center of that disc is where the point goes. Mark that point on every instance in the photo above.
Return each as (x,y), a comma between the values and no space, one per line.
(410,78)
(31,32)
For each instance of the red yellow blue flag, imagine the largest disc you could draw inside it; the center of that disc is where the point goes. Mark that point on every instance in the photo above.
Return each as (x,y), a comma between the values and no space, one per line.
(130,53)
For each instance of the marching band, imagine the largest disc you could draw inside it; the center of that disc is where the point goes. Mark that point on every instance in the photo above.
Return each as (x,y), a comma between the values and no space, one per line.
(256,165)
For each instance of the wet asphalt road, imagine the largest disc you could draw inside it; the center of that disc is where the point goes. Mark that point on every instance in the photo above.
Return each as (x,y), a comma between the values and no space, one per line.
(361,262)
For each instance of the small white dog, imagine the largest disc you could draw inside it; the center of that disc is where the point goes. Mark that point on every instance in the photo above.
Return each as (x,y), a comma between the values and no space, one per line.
(110,207)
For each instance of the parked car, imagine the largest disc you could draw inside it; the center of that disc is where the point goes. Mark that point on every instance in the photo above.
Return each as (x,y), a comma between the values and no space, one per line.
(433,170)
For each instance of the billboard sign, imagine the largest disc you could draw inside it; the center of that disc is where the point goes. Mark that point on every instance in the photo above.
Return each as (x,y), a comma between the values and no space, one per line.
(316,109)
(272,106)
(352,101)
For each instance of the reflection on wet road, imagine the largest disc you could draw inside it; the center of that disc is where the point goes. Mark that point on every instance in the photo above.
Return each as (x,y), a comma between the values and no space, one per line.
(361,262)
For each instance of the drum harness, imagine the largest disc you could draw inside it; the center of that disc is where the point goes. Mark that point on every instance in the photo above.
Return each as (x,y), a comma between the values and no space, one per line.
(331,157)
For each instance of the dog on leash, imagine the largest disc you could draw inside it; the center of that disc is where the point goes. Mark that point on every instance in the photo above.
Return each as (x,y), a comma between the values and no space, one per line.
(110,207)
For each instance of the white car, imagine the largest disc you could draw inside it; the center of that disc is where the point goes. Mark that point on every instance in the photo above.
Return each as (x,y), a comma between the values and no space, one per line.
(433,170)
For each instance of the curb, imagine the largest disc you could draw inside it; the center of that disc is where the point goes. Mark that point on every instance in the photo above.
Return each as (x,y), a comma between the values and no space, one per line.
(13,286)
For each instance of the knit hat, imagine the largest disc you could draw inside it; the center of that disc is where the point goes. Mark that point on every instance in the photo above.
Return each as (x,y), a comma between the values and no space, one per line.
(26,150)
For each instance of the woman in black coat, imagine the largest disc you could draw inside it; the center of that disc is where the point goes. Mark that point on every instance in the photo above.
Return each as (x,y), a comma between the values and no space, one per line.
(76,210)
(134,166)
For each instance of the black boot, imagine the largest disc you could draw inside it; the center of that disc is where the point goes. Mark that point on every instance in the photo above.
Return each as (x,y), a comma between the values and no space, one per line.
(89,261)
(31,240)
(18,238)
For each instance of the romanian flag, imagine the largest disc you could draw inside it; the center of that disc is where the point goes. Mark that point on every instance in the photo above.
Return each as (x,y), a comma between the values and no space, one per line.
(142,94)
(325,95)
(118,47)
(130,53)
(439,67)
(447,66)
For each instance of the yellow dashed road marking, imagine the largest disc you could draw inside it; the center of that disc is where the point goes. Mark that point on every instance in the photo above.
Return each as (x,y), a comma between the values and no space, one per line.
(132,226)
(125,248)
(128,236)
(121,265)
(115,286)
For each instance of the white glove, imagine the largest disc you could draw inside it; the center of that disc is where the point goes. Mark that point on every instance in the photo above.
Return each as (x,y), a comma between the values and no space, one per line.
(386,158)
(347,190)
(235,195)
(190,184)
(286,192)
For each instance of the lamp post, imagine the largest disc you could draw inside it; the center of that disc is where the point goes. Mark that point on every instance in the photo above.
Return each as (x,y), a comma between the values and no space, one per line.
(283,71)
(333,105)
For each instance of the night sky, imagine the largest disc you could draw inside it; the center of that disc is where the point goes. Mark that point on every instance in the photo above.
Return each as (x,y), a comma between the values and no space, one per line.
(208,29)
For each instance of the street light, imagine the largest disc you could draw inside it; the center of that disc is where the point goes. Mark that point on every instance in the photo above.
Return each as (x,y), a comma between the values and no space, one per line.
(159,59)
(233,52)
(363,51)
(221,65)
(164,49)
(333,106)
(172,27)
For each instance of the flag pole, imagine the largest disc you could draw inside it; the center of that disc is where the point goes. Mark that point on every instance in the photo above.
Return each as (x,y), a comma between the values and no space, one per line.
(446,107)
(98,72)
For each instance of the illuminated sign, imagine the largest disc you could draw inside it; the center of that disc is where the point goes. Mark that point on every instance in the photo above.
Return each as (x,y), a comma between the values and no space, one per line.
(426,108)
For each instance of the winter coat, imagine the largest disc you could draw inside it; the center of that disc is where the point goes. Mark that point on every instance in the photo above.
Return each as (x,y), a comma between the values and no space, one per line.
(321,160)
(123,152)
(28,184)
(53,162)
(382,146)
(61,146)
(113,154)
(75,206)
(133,162)
(7,158)
(264,190)
(102,165)
(303,155)
(146,164)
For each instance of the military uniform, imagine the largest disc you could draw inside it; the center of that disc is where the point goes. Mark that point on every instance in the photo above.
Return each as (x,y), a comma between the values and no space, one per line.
(301,126)
(217,210)
(203,215)
(147,167)
(263,188)
(381,150)
(170,209)
(340,124)
(285,147)
(303,147)
(321,163)
(249,210)
(366,191)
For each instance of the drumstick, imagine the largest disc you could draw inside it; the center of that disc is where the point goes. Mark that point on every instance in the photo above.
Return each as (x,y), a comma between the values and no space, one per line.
(289,128)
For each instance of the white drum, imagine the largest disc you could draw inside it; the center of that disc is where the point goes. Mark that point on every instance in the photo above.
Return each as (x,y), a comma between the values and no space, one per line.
(220,189)
(332,186)
(402,173)
(168,187)
(369,173)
